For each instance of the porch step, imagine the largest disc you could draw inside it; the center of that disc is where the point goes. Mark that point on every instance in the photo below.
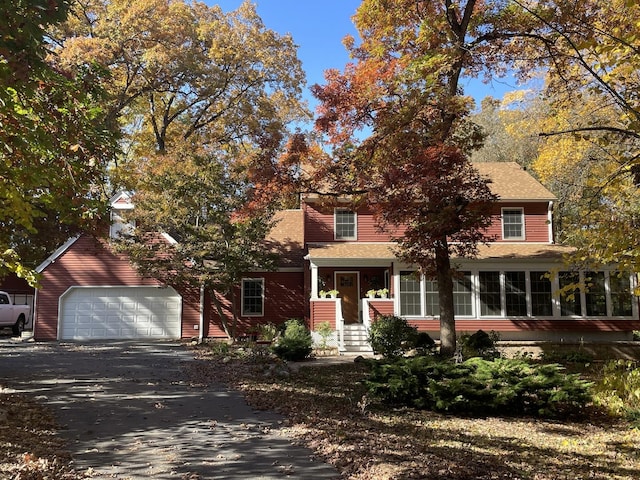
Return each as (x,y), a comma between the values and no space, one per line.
(356,339)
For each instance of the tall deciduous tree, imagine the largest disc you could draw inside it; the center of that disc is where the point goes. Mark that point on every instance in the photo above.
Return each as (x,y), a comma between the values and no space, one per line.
(195,198)
(405,88)
(188,72)
(206,99)
(55,140)
(592,129)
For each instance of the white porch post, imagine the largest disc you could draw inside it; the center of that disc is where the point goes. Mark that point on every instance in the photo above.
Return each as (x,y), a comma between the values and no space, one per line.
(314,280)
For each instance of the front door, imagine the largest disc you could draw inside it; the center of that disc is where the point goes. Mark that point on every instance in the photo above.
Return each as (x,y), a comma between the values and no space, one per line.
(347,285)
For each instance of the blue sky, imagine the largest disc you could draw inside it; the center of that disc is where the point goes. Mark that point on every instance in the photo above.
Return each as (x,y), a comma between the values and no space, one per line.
(318,28)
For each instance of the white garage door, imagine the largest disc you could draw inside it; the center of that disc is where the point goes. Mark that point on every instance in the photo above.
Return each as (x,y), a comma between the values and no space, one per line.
(106,313)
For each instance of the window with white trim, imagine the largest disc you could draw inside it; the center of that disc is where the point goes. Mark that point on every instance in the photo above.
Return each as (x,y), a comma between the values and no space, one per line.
(462,296)
(410,305)
(515,286)
(253,297)
(621,298)
(570,297)
(541,294)
(345,224)
(521,293)
(595,294)
(490,294)
(512,224)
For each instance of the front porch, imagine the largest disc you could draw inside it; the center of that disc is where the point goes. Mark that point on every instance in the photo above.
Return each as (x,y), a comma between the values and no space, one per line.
(350,337)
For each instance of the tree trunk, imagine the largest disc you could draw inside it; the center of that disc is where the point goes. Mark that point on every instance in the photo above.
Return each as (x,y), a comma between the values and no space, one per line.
(445,294)
(223,319)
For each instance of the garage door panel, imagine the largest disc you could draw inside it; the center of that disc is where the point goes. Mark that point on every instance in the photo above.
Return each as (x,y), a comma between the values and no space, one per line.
(120,313)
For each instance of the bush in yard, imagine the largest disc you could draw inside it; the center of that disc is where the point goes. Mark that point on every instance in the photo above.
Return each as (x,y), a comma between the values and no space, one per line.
(295,343)
(391,336)
(424,344)
(478,386)
(480,344)
(619,388)
(325,331)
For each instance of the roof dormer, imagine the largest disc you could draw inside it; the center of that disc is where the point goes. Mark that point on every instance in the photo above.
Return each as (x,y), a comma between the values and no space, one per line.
(119,204)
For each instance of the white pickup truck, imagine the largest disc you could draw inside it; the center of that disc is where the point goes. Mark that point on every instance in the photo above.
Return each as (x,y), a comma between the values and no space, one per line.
(14,316)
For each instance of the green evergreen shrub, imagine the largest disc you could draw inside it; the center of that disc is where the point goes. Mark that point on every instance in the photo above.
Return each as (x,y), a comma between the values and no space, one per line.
(391,336)
(478,386)
(295,343)
(563,355)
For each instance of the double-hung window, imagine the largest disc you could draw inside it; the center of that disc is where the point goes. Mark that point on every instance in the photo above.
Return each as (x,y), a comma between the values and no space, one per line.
(462,296)
(512,224)
(253,297)
(345,224)
(410,304)
(515,286)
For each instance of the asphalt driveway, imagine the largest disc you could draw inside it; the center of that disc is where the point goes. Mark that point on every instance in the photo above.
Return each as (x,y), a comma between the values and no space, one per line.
(129,412)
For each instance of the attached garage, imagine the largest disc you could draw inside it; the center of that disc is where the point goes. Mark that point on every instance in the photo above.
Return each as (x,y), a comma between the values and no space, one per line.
(120,312)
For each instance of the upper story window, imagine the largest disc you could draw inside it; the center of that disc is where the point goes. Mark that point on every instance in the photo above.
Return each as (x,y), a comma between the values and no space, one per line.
(253,297)
(512,224)
(345,224)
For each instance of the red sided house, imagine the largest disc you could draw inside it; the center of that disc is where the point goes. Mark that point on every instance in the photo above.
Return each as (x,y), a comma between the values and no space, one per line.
(89,292)
(506,289)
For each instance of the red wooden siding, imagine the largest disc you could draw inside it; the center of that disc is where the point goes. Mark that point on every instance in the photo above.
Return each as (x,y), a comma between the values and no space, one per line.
(319,226)
(14,284)
(323,310)
(90,262)
(535,222)
(529,325)
(283,299)
(379,307)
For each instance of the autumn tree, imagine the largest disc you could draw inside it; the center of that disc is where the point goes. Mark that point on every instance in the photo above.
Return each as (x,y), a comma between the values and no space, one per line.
(55,140)
(188,72)
(405,89)
(209,237)
(205,100)
(511,127)
(591,147)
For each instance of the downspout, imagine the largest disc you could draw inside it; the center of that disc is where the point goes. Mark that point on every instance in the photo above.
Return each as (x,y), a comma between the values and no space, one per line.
(550,221)
(33,312)
(201,326)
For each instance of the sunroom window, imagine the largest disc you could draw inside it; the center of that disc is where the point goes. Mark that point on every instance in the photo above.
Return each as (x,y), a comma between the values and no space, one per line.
(524,293)
(541,294)
(621,297)
(595,294)
(410,294)
(570,299)
(515,285)
(490,293)
(345,224)
(462,296)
